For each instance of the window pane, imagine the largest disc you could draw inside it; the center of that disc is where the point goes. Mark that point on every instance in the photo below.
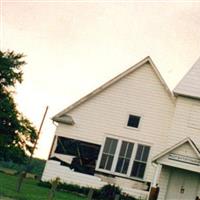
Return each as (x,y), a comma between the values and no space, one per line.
(108,153)
(142,167)
(133,121)
(125,167)
(139,164)
(107,145)
(123,149)
(145,153)
(124,157)
(129,150)
(113,146)
(110,146)
(119,165)
(103,161)
(138,169)
(139,152)
(134,169)
(122,165)
(109,162)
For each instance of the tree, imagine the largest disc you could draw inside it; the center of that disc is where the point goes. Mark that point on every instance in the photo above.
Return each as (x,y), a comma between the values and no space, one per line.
(17,133)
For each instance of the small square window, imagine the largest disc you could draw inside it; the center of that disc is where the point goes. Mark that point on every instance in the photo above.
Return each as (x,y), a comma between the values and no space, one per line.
(133,121)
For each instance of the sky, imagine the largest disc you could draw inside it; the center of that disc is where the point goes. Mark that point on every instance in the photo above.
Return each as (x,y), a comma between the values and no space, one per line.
(72,47)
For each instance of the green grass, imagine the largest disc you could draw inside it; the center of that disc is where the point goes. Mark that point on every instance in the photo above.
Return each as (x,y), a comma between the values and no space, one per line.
(30,190)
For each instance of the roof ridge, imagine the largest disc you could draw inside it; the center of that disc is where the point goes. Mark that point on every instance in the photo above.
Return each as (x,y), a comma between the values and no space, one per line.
(115,79)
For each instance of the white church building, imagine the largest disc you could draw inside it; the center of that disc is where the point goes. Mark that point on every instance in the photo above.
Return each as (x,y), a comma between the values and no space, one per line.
(133,132)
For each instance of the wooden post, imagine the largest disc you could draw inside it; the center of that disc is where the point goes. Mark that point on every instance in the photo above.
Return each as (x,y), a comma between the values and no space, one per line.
(154,189)
(156,175)
(90,194)
(31,156)
(23,174)
(20,180)
(54,186)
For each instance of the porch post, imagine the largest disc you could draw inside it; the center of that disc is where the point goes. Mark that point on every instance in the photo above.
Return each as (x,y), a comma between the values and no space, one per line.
(156,175)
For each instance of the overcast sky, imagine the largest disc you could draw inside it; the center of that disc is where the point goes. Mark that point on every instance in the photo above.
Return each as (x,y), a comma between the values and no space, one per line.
(72,47)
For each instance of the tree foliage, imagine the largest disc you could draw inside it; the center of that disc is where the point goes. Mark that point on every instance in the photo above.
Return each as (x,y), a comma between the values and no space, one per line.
(17,133)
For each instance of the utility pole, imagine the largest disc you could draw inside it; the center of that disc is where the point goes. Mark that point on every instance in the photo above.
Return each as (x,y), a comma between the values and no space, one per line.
(39,131)
(23,173)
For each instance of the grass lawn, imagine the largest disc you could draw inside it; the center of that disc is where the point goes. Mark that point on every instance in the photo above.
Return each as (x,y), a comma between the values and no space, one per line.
(29,190)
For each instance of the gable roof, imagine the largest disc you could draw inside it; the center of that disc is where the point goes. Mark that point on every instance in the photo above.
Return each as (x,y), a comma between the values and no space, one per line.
(192,144)
(190,84)
(112,81)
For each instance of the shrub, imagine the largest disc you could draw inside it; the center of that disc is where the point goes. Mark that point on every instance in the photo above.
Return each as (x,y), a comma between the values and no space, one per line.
(108,192)
(67,187)
(127,197)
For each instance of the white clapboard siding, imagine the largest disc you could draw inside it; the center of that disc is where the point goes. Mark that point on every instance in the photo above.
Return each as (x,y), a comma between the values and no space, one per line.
(163,182)
(140,93)
(53,169)
(185,121)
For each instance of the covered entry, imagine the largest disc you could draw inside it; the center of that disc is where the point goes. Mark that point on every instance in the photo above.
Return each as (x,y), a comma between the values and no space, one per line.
(178,172)
(183,185)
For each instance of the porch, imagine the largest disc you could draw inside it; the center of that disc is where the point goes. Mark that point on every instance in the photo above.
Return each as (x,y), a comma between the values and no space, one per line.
(177,172)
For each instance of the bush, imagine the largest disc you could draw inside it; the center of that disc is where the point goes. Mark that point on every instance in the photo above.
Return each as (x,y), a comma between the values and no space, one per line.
(44,184)
(67,187)
(107,192)
(73,188)
(127,197)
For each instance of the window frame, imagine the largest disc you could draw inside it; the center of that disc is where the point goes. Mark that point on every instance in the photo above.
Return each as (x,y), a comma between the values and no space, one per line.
(136,117)
(108,153)
(116,156)
(141,161)
(134,114)
(124,157)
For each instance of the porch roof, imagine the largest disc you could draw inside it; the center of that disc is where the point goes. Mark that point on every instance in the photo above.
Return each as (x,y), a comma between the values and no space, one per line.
(168,150)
